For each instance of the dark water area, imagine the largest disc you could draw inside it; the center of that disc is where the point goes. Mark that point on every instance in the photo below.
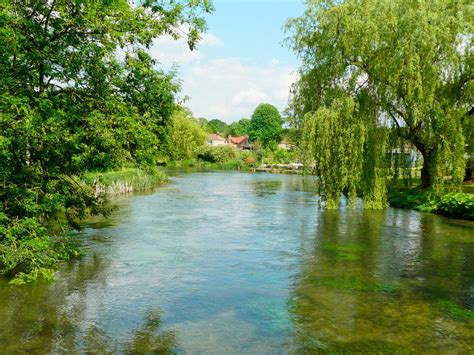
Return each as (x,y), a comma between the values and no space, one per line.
(247,263)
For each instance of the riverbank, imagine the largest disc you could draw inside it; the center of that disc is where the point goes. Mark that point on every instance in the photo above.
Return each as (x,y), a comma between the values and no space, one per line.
(453,204)
(231,165)
(32,248)
(124,181)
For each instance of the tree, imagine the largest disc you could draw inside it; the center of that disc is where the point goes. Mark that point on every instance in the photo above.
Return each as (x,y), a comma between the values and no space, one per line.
(240,128)
(406,65)
(266,125)
(218,126)
(70,103)
(184,136)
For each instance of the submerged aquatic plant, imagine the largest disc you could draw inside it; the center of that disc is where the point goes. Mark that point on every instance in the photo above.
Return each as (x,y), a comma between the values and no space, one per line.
(347,252)
(455,311)
(358,284)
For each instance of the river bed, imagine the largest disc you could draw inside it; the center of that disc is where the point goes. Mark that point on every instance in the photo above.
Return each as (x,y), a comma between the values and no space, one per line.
(248,263)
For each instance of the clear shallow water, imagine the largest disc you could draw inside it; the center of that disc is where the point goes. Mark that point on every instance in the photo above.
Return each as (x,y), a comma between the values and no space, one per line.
(247,263)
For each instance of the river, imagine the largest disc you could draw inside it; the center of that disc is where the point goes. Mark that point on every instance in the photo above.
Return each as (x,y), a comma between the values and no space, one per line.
(247,263)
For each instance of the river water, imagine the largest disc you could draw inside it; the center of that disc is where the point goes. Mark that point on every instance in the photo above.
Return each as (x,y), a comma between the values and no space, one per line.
(247,263)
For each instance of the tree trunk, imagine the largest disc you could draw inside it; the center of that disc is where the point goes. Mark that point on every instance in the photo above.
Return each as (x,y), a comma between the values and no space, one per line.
(426,174)
(468,174)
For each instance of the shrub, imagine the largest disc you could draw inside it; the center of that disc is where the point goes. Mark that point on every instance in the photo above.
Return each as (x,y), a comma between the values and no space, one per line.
(458,205)
(28,252)
(218,154)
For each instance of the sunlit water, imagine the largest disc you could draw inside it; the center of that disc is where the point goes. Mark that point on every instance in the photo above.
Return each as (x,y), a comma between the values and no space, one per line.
(248,263)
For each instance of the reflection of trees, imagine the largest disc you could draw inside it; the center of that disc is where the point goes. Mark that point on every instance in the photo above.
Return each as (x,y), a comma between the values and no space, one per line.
(53,318)
(264,188)
(373,279)
(147,338)
(44,317)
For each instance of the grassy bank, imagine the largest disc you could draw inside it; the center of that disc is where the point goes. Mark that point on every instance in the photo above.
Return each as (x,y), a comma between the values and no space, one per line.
(453,204)
(32,248)
(233,165)
(125,180)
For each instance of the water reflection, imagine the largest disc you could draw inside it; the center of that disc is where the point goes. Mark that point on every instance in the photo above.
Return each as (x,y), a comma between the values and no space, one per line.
(248,263)
(385,281)
(57,318)
(266,187)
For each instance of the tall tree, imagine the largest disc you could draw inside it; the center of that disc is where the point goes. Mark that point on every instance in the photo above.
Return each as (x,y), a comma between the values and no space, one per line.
(184,136)
(409,64)
(218,126)
(78,92)
(240,127)
(265,125)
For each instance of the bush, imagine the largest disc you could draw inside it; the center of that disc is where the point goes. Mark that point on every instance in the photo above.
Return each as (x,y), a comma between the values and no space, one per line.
(410,199)
(219,154)
(184,137)
(458,205)
(28,252)
(277,156)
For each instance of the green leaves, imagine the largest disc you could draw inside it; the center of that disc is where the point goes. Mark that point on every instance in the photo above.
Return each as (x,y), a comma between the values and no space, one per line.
(405,66)
(265,125)
(458,205)
(79,92)
(184,137)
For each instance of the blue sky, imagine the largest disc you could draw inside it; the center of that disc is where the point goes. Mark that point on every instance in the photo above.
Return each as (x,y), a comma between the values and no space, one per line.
(240,62)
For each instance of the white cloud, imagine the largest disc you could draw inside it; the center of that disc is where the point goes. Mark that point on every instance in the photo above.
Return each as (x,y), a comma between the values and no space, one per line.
(208,39)
(169,51)
(225,88)
(229,89)
(248,96)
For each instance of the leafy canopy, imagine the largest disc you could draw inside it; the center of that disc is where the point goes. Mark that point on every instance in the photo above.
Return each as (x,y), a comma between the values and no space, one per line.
(78,92)
(406,65)
(265,125)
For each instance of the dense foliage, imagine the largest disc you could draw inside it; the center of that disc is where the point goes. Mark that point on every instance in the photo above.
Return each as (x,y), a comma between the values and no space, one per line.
(455,204)
(375,69)
(217,126)
(265,125)
(240,128)
(79,92)
(184,136)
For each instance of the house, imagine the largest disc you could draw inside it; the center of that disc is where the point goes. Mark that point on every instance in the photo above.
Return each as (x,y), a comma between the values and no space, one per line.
(240,142)
(284,144)
(215,140)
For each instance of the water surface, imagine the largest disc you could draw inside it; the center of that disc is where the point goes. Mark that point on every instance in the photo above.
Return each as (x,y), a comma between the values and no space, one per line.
(248,263)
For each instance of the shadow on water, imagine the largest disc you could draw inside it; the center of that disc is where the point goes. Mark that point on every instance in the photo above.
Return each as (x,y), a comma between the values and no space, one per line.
(385,281)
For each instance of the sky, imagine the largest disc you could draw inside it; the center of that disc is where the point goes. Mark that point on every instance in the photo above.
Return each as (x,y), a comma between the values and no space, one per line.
(240,62)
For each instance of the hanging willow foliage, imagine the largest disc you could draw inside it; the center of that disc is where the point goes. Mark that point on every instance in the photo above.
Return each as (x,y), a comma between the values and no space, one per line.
(348,151)
(408,67)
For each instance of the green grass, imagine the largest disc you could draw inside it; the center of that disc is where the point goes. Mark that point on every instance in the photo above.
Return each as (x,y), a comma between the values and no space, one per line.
(126,180)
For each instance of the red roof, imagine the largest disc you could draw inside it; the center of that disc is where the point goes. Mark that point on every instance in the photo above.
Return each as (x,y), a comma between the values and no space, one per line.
(239,140)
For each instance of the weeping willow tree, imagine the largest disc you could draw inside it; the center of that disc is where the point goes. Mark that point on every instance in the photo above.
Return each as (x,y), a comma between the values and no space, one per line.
(375,72)
(341,139)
